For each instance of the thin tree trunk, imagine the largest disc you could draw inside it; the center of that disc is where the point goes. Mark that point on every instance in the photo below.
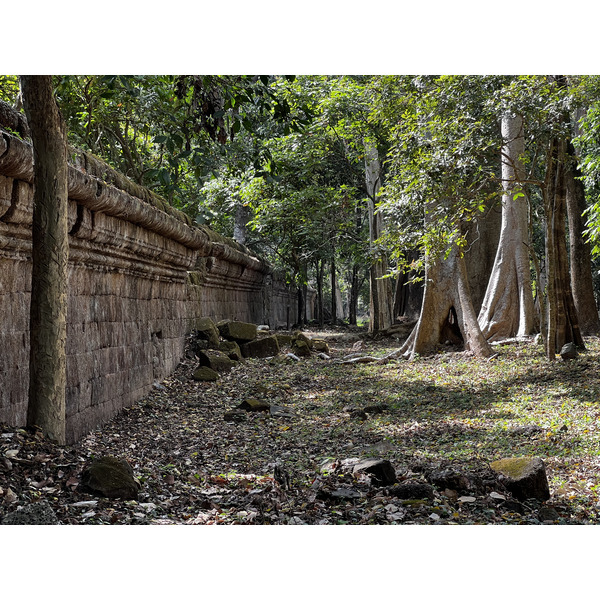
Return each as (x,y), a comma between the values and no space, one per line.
(333,294)
(381,293)
(50,248)
(320,313)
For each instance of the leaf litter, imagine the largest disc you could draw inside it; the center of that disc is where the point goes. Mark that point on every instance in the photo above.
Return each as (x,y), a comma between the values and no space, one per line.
(292,464)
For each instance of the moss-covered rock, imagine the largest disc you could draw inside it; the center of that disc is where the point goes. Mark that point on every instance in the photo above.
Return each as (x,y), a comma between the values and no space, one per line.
(110,477)
(207,330)
(216,360)
(525,477)
(205,374)
(232,349)
(320,345)
(284,339)
(301,345)
(237,331)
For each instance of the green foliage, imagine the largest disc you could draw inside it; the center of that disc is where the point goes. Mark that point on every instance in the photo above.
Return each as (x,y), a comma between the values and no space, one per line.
(9,88)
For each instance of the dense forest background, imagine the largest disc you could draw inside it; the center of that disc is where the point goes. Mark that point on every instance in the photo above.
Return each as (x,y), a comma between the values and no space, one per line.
(378,191)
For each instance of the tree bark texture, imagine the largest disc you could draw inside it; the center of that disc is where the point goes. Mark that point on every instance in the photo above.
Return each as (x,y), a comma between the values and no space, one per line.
(563,325)
(508,309)
(579,250)
(381,292)
(50,248)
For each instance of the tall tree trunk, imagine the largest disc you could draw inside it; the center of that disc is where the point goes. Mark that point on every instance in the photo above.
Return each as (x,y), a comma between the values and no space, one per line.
(50,248)
(381,293)
(508,309)
(563,325)
(579,251)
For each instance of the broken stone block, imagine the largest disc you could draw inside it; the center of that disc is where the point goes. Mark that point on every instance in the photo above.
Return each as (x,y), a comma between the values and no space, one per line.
(381,471)
(232,349)
(237,331)
(32,514)
(205,374)
(261,348)
(525,477)
(207,330)
(301,345)
(110,477)
(216,360)
(284,339)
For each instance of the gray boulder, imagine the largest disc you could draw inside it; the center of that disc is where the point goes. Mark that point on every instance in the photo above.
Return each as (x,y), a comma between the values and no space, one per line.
(524,477)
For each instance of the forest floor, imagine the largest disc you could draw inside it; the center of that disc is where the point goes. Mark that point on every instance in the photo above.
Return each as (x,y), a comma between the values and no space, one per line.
(445,411)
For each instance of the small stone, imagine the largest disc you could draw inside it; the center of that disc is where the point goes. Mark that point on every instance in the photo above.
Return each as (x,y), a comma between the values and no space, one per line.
(254,405)
(346,493)
(449,478)
(376,409)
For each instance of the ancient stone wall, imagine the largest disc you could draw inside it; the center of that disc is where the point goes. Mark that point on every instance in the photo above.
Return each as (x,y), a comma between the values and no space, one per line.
(139,276)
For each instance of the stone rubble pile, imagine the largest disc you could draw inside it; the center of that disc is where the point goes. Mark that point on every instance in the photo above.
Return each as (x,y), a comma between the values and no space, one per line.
(220,346)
